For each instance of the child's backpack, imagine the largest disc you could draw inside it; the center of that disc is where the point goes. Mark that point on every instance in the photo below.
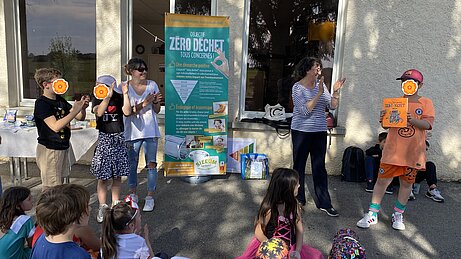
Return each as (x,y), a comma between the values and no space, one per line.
(346,245)
(353,165)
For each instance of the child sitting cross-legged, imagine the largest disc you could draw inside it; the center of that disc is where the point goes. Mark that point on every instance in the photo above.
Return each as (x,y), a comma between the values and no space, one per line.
(280,217)
(119,228)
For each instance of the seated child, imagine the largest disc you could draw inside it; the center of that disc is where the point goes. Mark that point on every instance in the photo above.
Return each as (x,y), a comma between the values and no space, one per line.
(430,175)
(119,228)
(372,160)
(84,236)
(286,221)
(15,226)
(61,210)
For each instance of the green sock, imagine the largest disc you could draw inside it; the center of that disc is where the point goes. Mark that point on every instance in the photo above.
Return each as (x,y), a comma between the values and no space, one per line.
(399,207)
(374,208)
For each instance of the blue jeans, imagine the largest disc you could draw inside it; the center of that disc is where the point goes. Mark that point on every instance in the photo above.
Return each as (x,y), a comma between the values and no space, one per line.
(150,154)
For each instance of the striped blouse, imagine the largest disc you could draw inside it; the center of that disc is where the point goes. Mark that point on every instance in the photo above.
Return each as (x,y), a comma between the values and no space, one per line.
(303,120)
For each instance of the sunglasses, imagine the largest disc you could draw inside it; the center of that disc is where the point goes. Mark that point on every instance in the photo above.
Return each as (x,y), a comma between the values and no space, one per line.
(142,69)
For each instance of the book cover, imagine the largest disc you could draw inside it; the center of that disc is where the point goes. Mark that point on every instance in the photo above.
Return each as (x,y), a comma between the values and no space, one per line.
(395,112)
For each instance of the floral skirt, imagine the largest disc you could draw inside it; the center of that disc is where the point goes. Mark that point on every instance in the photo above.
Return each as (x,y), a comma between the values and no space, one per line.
(110,158)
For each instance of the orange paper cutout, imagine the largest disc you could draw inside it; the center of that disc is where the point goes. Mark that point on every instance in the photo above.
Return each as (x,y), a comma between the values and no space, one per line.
(60,86)
(100,91)
(395,112)
(409,87)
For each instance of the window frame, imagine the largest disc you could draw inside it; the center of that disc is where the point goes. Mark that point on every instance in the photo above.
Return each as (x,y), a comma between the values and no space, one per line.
(18,58)
(337,62)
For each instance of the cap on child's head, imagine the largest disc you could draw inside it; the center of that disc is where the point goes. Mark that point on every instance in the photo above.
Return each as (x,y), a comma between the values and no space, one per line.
(411,74)
(107,80)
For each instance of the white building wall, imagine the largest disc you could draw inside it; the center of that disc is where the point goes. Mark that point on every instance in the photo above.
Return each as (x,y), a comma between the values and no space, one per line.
(385,38)
(108,38)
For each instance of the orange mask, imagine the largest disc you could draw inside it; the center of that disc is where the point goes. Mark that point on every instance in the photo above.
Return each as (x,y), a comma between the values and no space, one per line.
(60,86)
(409,87)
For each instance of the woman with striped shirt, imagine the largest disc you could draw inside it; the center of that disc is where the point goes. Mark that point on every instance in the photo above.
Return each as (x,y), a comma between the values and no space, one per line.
(309,129)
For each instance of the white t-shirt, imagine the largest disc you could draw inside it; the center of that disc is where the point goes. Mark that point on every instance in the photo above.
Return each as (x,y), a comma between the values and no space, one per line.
(143,124)
(131,246)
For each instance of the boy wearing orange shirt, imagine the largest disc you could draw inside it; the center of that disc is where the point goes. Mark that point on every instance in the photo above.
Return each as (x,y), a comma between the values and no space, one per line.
(403,155)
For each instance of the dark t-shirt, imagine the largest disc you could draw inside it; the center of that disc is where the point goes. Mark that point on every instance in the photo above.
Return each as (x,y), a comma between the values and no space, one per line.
(112,120)
(59,108)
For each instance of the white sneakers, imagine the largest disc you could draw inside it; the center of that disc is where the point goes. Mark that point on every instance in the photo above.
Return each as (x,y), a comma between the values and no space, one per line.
(397,221)
(102,208)
(367,220)
(149,204)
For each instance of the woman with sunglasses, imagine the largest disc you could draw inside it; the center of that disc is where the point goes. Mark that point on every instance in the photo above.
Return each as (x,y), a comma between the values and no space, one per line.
(141,127)
(119,236)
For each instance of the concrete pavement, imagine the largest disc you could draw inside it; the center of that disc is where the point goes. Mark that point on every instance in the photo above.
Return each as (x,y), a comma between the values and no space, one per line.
(215,219)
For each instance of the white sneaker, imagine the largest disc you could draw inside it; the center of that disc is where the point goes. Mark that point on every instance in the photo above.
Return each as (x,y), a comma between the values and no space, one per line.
(149,204)
(134,197)
(416,188)
(435,195)
(102,208)
(367,220)
(412,197)
(115,203)
(397,221)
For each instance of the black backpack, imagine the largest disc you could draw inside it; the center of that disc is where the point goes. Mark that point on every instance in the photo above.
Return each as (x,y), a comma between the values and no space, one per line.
(353,167)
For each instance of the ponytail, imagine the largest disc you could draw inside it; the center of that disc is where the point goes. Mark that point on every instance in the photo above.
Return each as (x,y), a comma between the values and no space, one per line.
(108,240)
(115,221)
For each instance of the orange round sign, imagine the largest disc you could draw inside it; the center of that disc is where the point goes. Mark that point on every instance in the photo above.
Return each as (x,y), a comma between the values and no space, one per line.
(60,86)
(100,91)
(409,87)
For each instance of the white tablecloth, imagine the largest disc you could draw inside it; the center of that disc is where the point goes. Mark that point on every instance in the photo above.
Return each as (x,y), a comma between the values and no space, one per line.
(22,142)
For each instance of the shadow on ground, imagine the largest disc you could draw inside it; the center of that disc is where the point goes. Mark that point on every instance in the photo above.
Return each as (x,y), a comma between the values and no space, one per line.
(215,219)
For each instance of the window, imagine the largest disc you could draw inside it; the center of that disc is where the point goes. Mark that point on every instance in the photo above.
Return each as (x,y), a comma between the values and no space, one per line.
(197,7)
(149,31)
(59,34)
(280,33)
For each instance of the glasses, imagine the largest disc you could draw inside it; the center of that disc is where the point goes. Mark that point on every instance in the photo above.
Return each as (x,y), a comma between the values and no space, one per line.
(142,69)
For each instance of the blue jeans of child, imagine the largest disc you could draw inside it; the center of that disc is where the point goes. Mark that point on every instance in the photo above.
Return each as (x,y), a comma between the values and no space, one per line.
(150,154)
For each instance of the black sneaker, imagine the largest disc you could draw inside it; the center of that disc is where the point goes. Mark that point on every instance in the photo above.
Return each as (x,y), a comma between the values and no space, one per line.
(390,190)
(330,212)
(370,186)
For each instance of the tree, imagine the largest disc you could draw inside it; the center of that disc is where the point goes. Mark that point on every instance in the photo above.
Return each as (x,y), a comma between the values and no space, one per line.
(63,55)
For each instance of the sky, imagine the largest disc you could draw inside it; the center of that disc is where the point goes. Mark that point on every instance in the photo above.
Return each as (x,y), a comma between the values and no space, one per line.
(46,19)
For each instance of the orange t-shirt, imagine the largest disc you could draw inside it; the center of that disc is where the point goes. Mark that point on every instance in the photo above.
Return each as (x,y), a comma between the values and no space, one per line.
(406,146)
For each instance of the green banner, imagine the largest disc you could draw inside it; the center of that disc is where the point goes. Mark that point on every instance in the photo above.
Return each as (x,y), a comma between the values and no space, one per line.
(196,97)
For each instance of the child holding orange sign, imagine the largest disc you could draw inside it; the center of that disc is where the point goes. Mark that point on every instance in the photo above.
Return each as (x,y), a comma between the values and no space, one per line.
(53,115)
(110,160)
(404,152)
